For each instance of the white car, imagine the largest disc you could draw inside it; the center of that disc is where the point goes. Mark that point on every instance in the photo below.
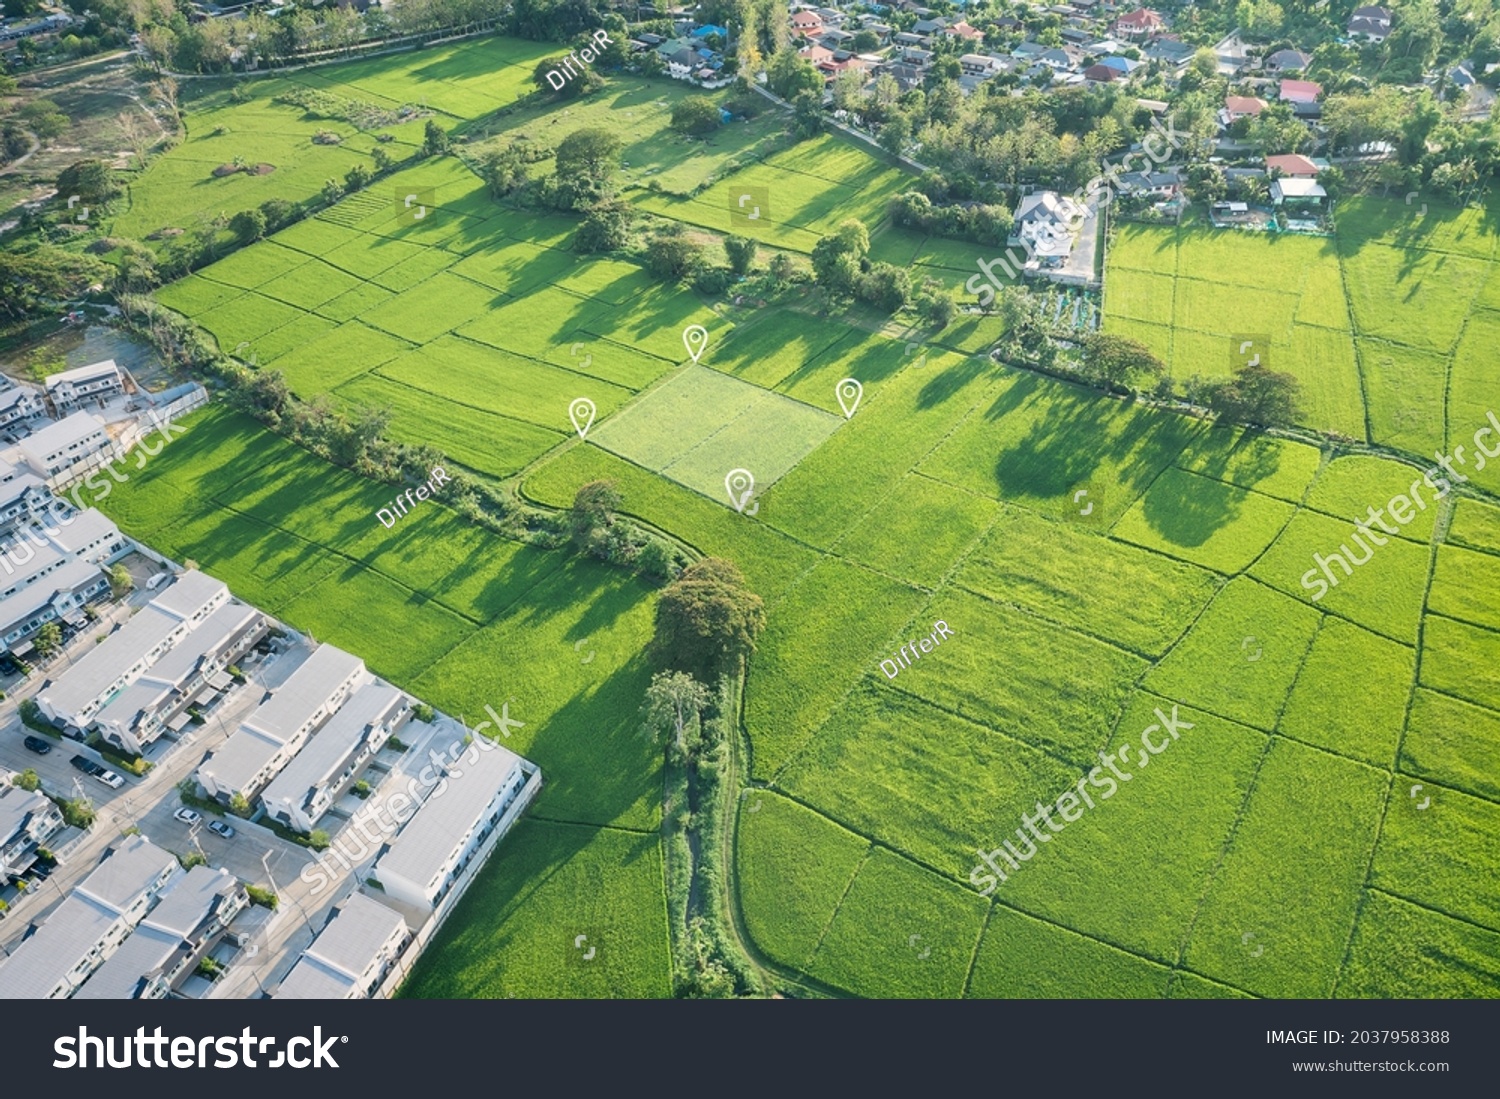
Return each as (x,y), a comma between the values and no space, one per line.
(187,816)
(110,779)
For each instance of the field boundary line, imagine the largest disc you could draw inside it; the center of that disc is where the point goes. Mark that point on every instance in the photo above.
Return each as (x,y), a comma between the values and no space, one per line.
(837,908)
(984,930)
(1435,909)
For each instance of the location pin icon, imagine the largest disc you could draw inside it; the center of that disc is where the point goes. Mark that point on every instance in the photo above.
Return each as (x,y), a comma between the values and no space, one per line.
(849,392)
(581,412)
(740,483)
(695,337)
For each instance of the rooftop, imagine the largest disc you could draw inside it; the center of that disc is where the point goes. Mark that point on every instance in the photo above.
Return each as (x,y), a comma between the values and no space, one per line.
(17,807)
(189,593)
(59,436)
(101,667)
(333,743)
(342,951)
(304,691)
(81,374)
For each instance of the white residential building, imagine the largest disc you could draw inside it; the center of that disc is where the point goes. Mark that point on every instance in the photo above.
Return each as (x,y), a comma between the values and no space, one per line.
(19,403)
(171,939)
(60,446)
(28,819)
(22,497)
(276,731)
(486,790)
(348,958)
(62,595)
(92,681)
(88,927)
(308,785)
(72,387)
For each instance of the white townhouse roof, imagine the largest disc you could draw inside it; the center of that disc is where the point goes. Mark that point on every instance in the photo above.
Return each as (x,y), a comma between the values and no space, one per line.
(352,940)
(325,753)
(81,374)
(57,437)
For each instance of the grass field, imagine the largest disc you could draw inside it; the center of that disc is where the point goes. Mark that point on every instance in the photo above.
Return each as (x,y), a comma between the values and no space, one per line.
(1099,565)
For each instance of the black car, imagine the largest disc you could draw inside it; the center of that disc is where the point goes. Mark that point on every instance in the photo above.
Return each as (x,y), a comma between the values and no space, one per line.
(37,745)
(86,765)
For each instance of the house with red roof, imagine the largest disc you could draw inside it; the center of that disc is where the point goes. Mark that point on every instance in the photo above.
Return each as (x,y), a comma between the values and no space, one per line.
(809,24)
(1242,106)
(1291,166)
(961,29)
(1141,23)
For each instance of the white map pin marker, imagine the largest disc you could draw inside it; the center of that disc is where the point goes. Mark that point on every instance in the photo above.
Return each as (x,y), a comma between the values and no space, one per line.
(849,392)
(581,412)
(741,483)
(695,337)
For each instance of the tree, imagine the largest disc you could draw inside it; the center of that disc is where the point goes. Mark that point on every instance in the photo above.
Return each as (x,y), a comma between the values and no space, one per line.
(672,254)
(278,212)
(790,73)
(885,286)
(836,258)
(1205,63)
(357,178)
(119,580)
(674,706)
(865,41)
(248,225)
(849,90)
(592,514)
(45,118)
(605,228)
(333,190)
(936,308)
(807,114)
(90,180)
(137,136)
(435,140)
(1256,395)
(504,171)
(592,153)
(552,79)
(1118,360)
(707,620)
(695,114)
(741,253)
(42,274)
(47,639)
(26,780)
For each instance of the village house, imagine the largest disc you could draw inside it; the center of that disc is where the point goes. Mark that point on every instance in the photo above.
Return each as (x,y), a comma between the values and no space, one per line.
(1141,23)
(1373,24)
(1291,166)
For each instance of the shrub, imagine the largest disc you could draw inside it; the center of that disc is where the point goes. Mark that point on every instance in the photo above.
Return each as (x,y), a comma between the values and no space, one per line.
(422,712)
(361,789)
(262,896)
(695,114)
(658,561)
(712,280)
(318,839)
(26,780)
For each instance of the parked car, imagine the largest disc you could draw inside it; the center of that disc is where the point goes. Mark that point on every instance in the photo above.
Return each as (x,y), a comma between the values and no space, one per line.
(38,745)
(158,580)
(110,779)
(86,765)
(187,816)
(219,828)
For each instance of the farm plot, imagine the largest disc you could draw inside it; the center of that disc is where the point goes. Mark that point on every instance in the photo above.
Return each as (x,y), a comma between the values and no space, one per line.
(1022,957)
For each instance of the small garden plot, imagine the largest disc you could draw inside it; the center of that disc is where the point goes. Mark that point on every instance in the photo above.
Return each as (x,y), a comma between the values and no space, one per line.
(1241,656)
(254,266)
(1454,743)
(1400,950)
(1442,856)
(1204,521)
(581,720)
(196,294)
(432,308)
(900,931)
(1063,695)
(1415,298)
(795,865)
(1407,389)
(1075,577)
(769,559)
(1466,586)
(513,934)
(816,646)
(1462,660)
(1350,696)
(921,781)
(1021,957)
(309,285)
(1384,594)
(768,439)
(483,441)
(1293,875)
(1275,467)
(1039,442)
(919,531)
(1132,870)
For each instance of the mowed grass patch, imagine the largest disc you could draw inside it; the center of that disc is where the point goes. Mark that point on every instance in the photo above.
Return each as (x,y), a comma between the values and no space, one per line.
(1400,950)
(547,882)
(1063,695)
(901,931)
(1203,521)
(1441,856)
(483,441)
(1466,586)
(919,531)
(1462,660)
(816,645)
(1241,656)
(347,352)
(1040,441)
(581,721)
(1406,390)
(1317,556)
(1350,696)
(1293,875)
(1021,957)
(1073,576)
(1453,742)
(1240,456)
(1415,298)
(794,867)
(1131,870)
(923,782)
(768,439)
